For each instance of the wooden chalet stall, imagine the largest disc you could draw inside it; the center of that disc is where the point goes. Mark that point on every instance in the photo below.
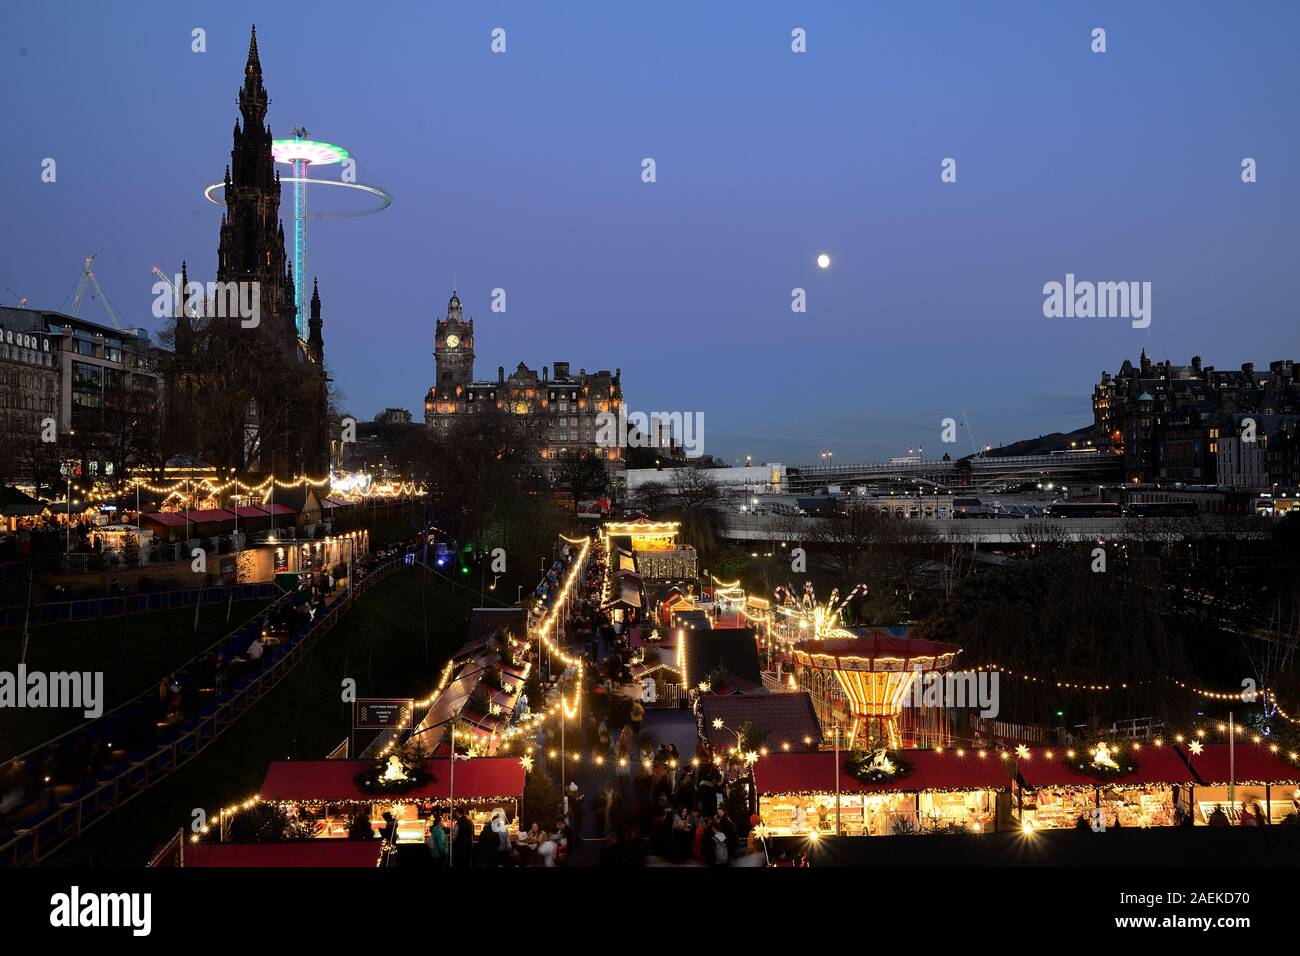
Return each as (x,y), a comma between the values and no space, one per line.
(798,794)
(326,792)
(1053,793)
(1257,775)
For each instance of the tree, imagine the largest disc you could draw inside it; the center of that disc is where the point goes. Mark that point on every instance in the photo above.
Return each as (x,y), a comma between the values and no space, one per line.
(542,802)
(584,475)
(653,498)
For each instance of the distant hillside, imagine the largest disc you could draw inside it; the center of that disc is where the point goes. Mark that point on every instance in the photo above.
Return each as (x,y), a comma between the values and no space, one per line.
(1043,444)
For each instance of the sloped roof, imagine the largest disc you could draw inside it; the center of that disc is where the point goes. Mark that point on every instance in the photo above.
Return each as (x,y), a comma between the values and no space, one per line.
(333,780)
(931,770)
(787,718)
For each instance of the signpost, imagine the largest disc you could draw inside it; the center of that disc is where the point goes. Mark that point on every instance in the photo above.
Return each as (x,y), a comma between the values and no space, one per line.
(381,713)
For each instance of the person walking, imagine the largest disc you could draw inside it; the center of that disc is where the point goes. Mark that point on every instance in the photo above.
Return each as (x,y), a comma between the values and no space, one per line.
(638,714)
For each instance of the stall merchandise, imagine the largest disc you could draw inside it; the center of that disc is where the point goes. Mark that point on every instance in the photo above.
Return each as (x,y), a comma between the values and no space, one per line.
(798,794)
(1054,793)
(325,792)
(1256,774)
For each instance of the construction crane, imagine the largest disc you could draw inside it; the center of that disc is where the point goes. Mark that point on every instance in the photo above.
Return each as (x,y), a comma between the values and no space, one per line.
(88,277)
(179,293)
(22,299)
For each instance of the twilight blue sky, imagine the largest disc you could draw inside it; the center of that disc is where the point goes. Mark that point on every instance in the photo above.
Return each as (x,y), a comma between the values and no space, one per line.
(522,171)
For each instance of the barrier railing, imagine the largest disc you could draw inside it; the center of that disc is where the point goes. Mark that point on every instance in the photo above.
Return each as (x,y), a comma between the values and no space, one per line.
(81,609)
(92,802)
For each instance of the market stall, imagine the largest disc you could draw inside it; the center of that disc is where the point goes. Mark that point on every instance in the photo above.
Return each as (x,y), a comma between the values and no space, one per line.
(311,853)
(327,793)
(1256,774)
(1056,790)
(938,791)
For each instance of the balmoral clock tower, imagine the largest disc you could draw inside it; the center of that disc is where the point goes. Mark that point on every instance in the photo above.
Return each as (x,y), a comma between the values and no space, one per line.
(454,347)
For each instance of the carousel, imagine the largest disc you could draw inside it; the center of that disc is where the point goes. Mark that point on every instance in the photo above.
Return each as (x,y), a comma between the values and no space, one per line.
(875,674)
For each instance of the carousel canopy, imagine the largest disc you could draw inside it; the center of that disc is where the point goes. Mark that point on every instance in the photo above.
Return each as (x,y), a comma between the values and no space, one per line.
(1155,765)
(878,652)
(1254,763)
(931,770)
(314,853)
(331,781)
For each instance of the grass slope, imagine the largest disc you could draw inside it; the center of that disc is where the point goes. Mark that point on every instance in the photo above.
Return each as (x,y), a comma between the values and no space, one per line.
(134,651)
(380,642)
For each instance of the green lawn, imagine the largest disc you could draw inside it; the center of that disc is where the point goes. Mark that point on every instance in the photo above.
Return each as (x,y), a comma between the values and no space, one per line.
(134,652)
(380,643)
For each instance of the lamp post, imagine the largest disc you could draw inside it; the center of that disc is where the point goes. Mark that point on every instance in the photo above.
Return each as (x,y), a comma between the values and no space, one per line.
(836,745)
(719,725)
(1232,761)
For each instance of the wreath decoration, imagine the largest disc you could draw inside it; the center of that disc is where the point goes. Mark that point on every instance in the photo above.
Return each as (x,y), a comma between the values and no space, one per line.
(1103,762)
(395,773)
(877,766)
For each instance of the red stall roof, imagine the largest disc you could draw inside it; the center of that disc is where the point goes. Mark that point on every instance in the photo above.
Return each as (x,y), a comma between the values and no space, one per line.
(169,518)
(277,509)
(316,853)
(1255,763)
(931,770)
(483,778)
(214,514)
(249,511)
(1155,765)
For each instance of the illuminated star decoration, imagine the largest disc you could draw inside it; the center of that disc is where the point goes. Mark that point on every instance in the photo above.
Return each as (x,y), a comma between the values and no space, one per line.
(717,723)
(526,762)
(1022,751)
(1195,747)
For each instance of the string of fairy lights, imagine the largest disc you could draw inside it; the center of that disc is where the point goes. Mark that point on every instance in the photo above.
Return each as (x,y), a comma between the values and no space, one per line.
(202,488)
(526,723)
(525,727)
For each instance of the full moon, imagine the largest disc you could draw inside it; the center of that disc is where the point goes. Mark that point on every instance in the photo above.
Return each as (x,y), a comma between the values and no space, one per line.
(824,261)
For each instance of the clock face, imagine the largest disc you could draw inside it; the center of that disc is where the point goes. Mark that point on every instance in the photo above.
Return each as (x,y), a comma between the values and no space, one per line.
(453,341)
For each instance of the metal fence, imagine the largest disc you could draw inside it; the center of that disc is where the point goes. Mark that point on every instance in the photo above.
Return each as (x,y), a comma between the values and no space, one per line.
(64,821)
(81,609)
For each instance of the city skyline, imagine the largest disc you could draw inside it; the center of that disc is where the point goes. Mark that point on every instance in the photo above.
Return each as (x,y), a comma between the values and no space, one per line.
(517,171)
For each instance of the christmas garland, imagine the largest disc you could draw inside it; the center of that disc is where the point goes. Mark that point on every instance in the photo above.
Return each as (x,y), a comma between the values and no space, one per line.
(1098,760)
(874,766)
(381,775)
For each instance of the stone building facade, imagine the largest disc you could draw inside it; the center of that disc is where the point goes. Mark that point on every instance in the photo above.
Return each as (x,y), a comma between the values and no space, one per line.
(565,406)
(1198,424)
